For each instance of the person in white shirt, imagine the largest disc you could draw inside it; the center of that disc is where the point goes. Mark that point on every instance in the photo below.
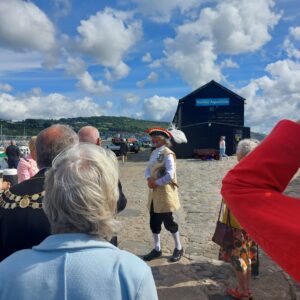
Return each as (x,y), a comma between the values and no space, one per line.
(163,195)
(223,148)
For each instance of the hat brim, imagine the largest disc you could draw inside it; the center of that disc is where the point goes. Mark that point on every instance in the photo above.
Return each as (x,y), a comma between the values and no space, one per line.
(159,132)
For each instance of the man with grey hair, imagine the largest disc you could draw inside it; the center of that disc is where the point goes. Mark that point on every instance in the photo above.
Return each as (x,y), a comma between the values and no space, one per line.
(90,134)
(23,223)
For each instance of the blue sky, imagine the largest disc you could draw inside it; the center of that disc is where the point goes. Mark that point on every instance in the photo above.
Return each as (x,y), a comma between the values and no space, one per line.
(67,58)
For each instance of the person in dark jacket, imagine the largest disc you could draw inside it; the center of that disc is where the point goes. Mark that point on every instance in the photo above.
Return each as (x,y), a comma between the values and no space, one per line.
(23,223)
(90,134)
(124,150)
(13,155)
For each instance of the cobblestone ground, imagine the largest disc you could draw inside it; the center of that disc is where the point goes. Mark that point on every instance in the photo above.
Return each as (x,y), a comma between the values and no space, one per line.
(199,275)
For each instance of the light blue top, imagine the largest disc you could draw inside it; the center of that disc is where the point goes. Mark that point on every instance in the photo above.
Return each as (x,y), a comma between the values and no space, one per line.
(75,266)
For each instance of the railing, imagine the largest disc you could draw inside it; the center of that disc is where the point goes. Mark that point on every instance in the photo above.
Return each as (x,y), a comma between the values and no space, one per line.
(21,140)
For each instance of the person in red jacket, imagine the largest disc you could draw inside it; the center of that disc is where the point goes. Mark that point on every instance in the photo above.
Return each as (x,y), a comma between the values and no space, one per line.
(253,191)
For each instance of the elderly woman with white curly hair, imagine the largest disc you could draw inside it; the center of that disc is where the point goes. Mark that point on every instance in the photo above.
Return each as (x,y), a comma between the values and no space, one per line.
(243,253)
(76,261)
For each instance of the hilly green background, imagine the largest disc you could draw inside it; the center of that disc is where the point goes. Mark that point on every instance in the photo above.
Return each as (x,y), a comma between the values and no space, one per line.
(105,124)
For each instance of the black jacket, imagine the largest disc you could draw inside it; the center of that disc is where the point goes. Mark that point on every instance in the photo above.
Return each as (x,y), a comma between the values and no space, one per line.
(22,228)
(23,223)
(12,152)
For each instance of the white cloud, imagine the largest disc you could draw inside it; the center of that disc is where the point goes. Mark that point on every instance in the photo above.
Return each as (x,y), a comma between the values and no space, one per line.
(51,106)
(118,72)
(18,62)
(147,58)
(295,32)
(75,66)
(290,41)
(232,27)
(161,10)
(195,62)
(108,36)
(151,78)
(229,63)
(235,26)
(155,64)
(25,27)
(90,85)
(36,91)
(63,7)
(291,49)
(159,108)
(5,87)
(131,99)
(274,96)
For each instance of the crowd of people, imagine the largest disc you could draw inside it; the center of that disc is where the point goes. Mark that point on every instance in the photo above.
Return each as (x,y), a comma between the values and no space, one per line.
(62,214)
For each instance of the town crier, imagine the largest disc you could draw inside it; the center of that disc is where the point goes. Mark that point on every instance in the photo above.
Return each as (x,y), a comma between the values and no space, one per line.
(163,194)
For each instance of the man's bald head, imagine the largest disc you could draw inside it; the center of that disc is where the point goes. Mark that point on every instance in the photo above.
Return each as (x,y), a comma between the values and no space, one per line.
(89,134)
(53,140)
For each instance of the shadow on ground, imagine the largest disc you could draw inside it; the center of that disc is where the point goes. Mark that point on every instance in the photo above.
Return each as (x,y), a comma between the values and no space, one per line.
(192,281)
(210,280)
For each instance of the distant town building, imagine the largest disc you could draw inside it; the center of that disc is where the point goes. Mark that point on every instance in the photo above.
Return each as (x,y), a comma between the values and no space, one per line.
(205,115)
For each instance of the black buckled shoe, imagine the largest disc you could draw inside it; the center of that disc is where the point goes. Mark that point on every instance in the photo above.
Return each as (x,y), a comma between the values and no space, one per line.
(152,255)
(177,254)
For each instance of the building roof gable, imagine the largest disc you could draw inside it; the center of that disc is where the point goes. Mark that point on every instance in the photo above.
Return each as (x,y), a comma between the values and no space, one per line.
(212,82)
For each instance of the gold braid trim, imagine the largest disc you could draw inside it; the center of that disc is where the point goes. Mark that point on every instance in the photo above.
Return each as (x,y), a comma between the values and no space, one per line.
(21,201)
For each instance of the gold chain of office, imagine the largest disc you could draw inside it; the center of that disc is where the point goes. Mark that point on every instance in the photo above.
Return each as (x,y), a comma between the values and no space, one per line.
(21,201)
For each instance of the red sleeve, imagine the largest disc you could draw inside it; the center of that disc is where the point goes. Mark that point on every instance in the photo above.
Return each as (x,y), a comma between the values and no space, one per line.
(253,191)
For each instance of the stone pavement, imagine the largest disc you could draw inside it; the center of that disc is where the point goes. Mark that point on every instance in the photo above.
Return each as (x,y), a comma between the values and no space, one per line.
(199,275)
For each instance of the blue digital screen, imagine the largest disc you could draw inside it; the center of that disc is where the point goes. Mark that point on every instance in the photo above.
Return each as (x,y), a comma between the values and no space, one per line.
(212,102)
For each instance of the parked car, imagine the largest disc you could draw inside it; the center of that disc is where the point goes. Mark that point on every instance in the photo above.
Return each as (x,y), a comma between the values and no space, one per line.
(147,144)
(114,148)
(134,147)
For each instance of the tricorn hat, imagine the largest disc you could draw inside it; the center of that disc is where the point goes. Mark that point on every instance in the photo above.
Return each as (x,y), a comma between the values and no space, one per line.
(157,131)
(173,133)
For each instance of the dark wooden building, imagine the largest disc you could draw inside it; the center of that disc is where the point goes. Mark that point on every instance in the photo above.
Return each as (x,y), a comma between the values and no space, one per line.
(207,114)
